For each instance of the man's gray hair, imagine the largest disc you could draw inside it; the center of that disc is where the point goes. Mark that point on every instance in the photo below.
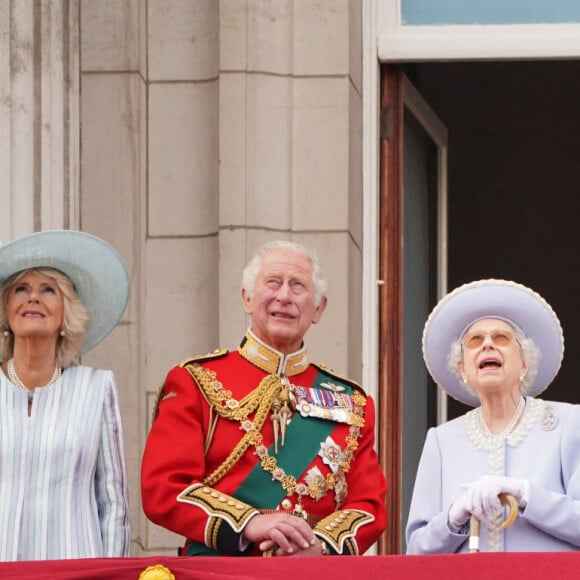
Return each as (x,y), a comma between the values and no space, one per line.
(253,266)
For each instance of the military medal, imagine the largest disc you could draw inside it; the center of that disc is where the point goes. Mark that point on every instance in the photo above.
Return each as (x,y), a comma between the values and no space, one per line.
(325,404)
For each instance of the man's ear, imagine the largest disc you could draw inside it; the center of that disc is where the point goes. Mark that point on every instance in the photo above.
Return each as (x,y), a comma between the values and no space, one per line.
(319,310)
(246,299)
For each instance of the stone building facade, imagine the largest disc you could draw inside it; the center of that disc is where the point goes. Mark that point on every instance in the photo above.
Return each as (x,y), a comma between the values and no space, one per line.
(187,133)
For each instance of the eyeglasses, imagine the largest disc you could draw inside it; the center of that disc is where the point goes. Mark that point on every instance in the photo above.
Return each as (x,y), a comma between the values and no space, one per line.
(498,337)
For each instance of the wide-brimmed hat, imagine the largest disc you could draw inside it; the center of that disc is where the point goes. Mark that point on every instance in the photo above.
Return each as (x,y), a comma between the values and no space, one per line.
(519,306)
(95,268)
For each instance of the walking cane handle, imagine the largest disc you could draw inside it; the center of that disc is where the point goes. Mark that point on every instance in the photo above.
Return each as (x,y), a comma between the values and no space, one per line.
(506,499)
(510,501)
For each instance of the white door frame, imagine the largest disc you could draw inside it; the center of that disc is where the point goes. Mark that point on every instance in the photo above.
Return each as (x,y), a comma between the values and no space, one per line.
(397,42)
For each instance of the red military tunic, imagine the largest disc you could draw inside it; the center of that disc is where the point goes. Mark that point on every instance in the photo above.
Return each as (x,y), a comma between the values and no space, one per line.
(212,461)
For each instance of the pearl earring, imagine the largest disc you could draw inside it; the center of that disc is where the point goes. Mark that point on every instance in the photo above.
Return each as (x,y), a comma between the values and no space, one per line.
(62,333)
(465,379)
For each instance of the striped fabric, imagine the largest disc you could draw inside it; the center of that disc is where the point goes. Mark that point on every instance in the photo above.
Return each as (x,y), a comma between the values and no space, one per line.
(63,488)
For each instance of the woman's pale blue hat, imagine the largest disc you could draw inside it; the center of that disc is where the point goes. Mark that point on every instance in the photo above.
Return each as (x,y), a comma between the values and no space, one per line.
(518,305)
(96,269)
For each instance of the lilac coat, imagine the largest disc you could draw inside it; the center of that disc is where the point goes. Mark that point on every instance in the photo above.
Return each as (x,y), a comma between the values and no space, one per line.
(544,449)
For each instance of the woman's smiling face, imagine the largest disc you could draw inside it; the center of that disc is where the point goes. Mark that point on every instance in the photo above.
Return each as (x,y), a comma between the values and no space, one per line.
(35,306)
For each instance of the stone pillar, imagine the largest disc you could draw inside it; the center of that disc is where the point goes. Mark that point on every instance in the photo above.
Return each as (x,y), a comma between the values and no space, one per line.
(39,117)
(113,199)
(181,258)
(290,154)
(150,186)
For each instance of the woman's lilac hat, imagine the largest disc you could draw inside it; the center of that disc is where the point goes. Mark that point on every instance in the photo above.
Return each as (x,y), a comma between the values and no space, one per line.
(95,268)
(518,305)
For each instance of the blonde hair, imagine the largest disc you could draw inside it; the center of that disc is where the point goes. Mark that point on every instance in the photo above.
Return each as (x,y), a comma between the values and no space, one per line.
(75,318)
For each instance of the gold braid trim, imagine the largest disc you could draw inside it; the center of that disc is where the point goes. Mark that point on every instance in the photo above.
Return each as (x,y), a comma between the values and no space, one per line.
(339,528)
(220,507)
(259,400)
(212,532)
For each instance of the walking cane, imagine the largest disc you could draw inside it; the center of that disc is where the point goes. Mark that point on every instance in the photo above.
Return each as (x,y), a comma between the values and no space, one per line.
(506,499)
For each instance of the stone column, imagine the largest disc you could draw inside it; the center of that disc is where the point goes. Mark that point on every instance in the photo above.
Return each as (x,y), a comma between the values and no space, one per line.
(114,199)
(39,116)
(182,258)
(291,154)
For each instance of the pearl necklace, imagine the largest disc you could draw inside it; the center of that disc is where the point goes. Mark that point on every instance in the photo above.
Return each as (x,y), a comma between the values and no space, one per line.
(511,424)
(15,379)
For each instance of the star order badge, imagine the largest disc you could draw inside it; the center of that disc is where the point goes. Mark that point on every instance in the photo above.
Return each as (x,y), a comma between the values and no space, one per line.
(331,454)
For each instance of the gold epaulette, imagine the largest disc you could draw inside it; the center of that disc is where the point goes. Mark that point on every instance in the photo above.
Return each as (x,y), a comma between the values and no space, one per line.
(198,358)
(161,395)
(343,379)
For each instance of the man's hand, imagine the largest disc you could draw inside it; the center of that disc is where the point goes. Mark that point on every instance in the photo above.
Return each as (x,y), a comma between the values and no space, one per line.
(284,533)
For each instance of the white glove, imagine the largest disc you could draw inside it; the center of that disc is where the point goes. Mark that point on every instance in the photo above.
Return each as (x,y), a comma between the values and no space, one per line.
(485,491)
(481,498)
(460,512)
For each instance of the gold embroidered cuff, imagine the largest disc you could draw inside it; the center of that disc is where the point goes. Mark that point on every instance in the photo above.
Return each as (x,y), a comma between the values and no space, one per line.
(339,529)
(218,505)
